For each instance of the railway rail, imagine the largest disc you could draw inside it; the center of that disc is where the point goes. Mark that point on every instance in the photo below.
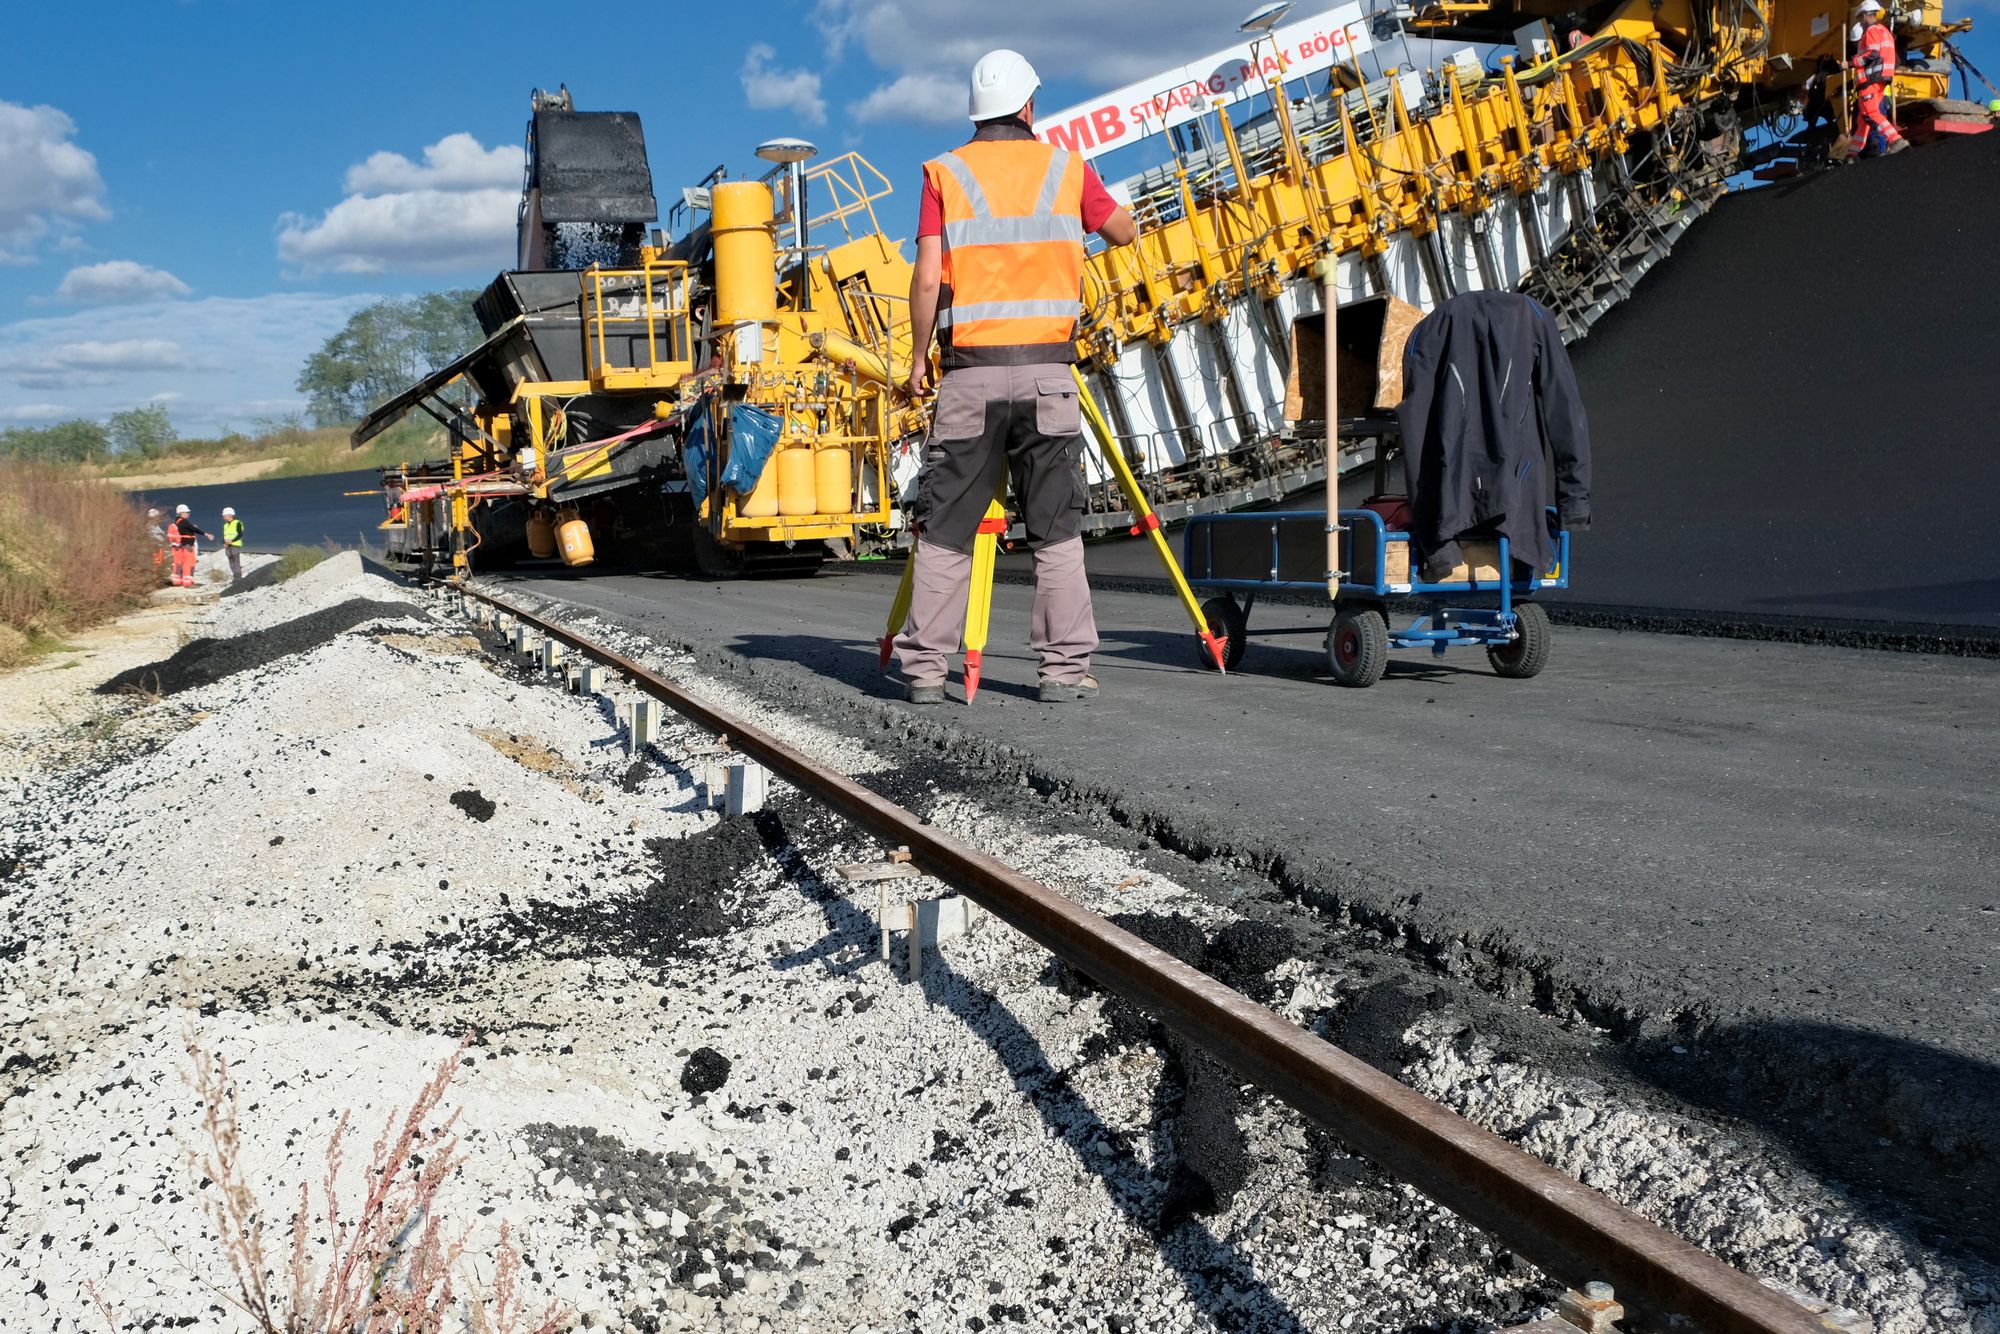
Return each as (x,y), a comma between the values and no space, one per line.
(1606,1254)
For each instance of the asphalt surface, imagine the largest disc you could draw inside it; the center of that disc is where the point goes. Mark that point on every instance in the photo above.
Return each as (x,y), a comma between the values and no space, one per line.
(1708,832)
(279,512)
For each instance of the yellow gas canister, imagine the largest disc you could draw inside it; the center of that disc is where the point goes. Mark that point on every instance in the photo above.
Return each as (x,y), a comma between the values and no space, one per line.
(796,483)
(833,480)
(573,535)
(762,502)
(541,536)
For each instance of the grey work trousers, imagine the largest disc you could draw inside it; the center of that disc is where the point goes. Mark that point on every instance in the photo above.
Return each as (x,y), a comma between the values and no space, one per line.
(993,422)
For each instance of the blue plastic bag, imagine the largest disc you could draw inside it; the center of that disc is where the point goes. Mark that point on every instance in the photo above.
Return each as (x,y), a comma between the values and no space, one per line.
(753,436)
(694,457)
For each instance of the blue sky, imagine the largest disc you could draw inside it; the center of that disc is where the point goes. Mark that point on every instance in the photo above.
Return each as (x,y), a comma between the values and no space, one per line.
(195,193)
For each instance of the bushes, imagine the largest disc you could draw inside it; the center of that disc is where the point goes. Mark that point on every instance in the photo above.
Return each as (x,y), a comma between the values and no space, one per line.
(72,553)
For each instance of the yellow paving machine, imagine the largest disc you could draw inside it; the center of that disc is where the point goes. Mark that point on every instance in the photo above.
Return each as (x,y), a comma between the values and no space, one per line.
(727,398)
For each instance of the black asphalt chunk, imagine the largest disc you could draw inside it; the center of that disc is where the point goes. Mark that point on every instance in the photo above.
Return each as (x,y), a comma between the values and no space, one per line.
(470,801)
(205,661)
(706,1071)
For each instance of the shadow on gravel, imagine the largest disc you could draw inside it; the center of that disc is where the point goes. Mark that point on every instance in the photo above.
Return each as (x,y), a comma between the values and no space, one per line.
(1219,1281)
(1910,1132)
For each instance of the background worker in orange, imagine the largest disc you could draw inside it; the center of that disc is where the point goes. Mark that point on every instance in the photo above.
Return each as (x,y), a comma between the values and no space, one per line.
(183,533)
(998,278)
(1874,71)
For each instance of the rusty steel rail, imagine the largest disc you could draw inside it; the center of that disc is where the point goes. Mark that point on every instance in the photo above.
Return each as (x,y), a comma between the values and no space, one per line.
(1574,1233)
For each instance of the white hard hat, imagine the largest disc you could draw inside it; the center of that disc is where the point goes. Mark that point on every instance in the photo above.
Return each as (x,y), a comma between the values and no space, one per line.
(180,509)
(1871,6)
(152,514)
(1002,83)
(228,513)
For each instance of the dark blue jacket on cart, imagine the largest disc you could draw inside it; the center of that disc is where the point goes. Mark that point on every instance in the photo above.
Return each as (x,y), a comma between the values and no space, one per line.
(1493,430)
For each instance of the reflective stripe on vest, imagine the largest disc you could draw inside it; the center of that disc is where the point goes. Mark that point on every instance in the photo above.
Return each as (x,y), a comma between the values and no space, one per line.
(1876,58)
(1013,252)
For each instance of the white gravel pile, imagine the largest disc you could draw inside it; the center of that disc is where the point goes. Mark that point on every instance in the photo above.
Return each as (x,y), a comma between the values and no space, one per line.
(332,581)
(693,1088)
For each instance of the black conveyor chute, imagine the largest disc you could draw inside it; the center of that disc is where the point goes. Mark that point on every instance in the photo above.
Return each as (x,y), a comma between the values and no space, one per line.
(477,364)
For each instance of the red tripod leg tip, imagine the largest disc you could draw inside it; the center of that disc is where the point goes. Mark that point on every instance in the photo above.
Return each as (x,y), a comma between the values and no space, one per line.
(971,674)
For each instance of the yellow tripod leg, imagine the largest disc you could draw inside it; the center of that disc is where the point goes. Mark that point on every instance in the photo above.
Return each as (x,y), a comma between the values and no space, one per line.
(899,611)
(979,593)
(1147,521)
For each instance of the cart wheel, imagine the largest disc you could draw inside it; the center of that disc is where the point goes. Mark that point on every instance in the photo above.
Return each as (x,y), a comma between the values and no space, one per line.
(1226,621)
(1357,647)
(1526,654)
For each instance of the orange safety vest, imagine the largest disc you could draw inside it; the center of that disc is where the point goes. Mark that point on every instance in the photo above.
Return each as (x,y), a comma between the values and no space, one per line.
(1875,57)
(1013,252)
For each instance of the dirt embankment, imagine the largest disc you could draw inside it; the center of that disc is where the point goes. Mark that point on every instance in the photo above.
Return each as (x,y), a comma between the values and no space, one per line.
(217,474)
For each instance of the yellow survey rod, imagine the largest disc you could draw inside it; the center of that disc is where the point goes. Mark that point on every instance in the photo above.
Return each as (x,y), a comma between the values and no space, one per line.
(899,611)
(1147,521)
(979,591)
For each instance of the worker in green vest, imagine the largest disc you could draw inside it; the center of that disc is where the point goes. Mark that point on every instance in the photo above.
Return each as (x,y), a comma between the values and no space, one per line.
(232,542)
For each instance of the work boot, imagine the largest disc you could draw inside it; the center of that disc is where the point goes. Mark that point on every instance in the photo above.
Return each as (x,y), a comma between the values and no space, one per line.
(1067,692)
(917,694)
(1897,147)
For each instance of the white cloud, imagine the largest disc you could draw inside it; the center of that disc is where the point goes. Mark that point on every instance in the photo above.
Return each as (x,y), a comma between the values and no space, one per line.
(46,181)
(119,282)
(93,361)
(453,212)
(932,99)
(455,162)
(35,412)
(230,360)
(768,88)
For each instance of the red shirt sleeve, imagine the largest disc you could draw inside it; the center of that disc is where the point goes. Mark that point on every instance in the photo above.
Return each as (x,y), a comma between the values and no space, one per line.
(1098,205)
(930,211)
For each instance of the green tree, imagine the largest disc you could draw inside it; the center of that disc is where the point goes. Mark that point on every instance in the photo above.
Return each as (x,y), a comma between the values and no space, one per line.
(143,431)
(77,441)
(383,349)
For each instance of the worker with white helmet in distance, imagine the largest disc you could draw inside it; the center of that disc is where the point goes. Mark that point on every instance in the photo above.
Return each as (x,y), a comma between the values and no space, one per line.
(232,542)
(1874,63)
(998,279)
(156,529)
(183,533)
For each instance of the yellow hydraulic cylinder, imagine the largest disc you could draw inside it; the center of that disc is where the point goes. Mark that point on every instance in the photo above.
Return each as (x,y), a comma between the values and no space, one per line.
(746,282)
(849,355)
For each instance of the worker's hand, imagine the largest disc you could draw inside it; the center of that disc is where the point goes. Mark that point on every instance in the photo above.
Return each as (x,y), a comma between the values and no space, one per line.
(919,386)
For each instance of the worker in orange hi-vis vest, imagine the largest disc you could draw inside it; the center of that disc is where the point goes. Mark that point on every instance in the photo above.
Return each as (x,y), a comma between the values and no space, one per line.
(1874,70)
(998,279)
(185,534)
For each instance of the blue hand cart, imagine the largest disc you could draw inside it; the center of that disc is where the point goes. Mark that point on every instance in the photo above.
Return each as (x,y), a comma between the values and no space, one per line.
(1243,555)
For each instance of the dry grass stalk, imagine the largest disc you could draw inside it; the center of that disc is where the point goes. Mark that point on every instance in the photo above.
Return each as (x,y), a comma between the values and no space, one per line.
(391,1265)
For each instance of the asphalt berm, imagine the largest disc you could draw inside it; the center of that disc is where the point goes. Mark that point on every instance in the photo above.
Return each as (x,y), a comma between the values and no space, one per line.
(204,661)
(1791,412)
